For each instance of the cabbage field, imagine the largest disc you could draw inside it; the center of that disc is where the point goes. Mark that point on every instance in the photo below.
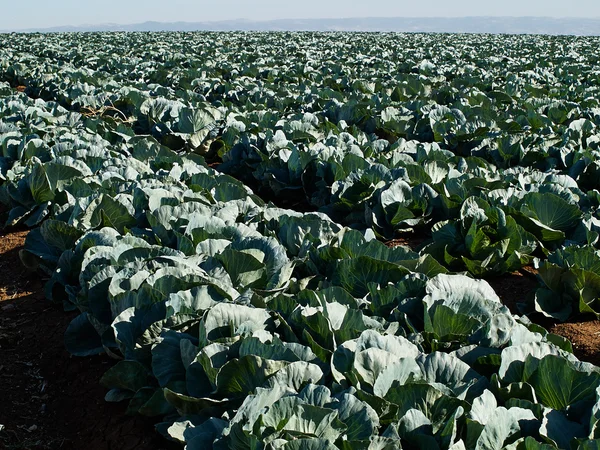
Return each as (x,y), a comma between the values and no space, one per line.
(223,213)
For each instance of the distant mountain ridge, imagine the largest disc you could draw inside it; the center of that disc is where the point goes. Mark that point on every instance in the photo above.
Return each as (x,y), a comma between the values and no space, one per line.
(496,25)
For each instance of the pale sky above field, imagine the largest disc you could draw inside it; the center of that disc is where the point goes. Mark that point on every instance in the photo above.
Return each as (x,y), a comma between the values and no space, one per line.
(44,13)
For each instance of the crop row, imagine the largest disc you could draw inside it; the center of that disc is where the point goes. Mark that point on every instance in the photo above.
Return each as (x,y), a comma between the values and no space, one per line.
(495,157)
(243,325)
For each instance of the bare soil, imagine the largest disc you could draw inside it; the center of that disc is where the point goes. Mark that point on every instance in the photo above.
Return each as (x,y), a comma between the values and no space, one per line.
(515,288)
(411,240)
(585,337)
(49,399)
(519,287)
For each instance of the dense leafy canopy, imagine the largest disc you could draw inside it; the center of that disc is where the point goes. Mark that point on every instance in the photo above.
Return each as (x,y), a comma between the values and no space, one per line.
(240,324)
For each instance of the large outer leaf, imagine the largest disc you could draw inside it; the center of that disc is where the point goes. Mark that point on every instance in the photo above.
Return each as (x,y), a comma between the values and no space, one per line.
(468,294)
(127,374)
(241,377)
(503,425)
(355,274)
(223,319)
(81,338)
(513,359)
(551,211)
(560,383)
(40,185)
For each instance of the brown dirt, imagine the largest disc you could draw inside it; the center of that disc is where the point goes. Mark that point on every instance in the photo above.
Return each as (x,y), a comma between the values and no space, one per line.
(585,337)
(411,240)
(15,281)
(50,400)
(515,288)
(518,287)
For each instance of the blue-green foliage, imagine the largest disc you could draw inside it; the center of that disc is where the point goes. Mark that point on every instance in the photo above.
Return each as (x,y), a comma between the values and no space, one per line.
(245,325)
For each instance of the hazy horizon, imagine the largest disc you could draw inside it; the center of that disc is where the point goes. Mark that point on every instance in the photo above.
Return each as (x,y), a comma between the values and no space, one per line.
(40,14)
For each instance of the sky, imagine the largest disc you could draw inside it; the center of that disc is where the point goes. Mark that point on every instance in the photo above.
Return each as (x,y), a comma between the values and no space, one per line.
(45,13)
